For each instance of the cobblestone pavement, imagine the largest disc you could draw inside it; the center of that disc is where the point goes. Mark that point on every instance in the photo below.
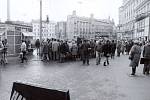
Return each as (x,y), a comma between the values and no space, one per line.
(91,82)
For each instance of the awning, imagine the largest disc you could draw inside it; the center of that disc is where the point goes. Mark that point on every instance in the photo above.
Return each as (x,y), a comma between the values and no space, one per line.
(29,34)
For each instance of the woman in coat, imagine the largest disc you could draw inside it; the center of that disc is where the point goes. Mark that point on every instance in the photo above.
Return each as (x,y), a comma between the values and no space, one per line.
(134,56)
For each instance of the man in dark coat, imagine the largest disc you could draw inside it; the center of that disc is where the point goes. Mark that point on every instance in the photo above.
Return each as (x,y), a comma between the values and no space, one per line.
(113,49)
(146,54)
(37,45)
(62,51)
(107,52)
(85,47)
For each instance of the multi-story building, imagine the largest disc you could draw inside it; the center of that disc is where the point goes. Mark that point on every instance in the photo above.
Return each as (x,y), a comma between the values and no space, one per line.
(61,30)
(89,28)
(134,19)
(142,22)
(48,29)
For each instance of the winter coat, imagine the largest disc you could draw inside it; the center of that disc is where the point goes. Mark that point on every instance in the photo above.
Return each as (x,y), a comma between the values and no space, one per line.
(113,47)
(107,49)
(146,51)
(62,48)
(74,49)
(45,48)
(134,55)
(98,48)
(85,47)
(37,44)
(23,46)
(55,46)
(118,47)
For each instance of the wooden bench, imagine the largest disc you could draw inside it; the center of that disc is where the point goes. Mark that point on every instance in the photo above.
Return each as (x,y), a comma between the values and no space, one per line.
(22,91)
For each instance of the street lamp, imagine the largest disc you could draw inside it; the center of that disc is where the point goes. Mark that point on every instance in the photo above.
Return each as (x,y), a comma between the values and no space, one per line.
(40,24)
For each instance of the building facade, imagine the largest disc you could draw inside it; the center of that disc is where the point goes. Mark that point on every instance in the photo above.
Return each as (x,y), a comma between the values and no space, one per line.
(134,19)
(48,29)
(88,28)
(15,32)
(61,30)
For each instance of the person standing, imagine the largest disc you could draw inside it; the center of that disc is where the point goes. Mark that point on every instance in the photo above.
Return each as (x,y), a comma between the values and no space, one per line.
(62,52)
(134,56)
(113,49)
(37,45)
(146,54)
(74,50)
(23,50)
(118,48)
(45,51)
(85,47)
(107,51)
(4,50)
(55,46)
(98,49)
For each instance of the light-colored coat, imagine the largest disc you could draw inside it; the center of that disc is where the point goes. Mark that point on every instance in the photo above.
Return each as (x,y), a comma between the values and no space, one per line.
(23,46)
(135,53)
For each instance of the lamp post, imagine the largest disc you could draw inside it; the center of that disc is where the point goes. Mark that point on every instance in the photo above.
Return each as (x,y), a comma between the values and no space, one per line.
(40,25)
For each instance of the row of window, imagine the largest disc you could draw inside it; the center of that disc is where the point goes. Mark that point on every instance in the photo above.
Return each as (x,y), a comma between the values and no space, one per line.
(38,34)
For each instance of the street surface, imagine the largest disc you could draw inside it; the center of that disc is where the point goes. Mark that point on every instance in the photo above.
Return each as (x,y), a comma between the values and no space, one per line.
(91,82)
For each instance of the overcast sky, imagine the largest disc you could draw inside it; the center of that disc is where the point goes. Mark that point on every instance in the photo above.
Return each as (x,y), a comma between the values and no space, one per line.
(26,10)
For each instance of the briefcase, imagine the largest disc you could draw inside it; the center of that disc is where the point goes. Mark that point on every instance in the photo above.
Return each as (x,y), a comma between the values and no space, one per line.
(144,60)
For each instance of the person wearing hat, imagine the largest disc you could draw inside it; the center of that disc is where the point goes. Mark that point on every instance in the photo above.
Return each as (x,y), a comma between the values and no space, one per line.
(134,56)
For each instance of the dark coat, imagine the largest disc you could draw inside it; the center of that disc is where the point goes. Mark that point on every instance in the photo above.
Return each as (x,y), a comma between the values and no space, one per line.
(107,49)
(146,54)
(37,44)
(45,48)
(62,48)
(85,47)
(146,51)
(113,47)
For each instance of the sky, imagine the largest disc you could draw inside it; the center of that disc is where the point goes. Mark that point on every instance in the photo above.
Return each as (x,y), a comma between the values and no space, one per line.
(58,10)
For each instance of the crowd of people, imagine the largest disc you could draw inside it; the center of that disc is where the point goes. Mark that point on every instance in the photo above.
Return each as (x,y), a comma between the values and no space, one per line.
(82,49)
(63,51)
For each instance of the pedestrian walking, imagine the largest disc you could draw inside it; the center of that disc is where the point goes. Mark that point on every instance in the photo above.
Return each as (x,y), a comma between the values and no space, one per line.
(107,51)
(134,56)
(146,55)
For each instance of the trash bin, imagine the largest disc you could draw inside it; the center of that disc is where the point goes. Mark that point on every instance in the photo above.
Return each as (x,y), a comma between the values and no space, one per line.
(21,91)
